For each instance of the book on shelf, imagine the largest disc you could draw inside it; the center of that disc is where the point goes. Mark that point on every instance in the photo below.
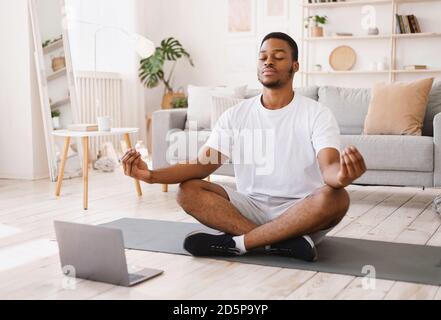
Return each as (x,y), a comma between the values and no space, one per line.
(407,24)
(398,26)
(83,127)
(411,26)
(415,24)
(343,34)
(400,23)
(415,67)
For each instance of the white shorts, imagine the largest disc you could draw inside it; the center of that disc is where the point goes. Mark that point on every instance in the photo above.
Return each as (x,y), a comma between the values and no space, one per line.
(263,212)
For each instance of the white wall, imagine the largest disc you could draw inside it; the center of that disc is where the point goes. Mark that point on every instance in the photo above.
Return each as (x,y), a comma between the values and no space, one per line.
(220,59)
(115,51)
(22,147)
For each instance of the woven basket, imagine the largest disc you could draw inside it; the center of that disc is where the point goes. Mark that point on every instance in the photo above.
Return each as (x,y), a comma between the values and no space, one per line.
(58,63)
(168,97)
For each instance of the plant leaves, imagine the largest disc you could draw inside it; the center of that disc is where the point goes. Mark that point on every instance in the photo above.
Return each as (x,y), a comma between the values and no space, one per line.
(151,69)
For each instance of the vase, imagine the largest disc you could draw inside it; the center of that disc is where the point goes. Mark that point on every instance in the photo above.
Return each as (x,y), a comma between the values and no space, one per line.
(58,63)
(56,122)
(316,31)
(168,97)
(104,123)
(373,31)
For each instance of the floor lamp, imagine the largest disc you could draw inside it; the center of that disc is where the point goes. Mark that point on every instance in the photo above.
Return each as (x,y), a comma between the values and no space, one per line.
(144,47)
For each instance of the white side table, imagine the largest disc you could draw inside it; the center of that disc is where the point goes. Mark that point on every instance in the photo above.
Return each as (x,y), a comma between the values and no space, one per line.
(85,139)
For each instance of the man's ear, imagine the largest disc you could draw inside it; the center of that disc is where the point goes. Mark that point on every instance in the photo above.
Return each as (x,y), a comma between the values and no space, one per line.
(296,66)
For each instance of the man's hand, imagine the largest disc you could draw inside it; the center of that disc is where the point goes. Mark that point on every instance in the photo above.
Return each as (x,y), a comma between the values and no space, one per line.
(134,166)
(352,166)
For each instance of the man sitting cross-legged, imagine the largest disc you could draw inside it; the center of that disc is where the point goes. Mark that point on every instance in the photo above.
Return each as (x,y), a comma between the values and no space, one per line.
(289,196)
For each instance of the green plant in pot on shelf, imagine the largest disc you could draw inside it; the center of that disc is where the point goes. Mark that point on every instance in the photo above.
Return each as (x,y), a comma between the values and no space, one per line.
(49,42)
(55,119)
(179,102)
(151,70)
(315,23)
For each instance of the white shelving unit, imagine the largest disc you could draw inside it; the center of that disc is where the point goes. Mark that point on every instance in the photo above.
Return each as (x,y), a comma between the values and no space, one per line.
(379,37)
(392,37)
(62,100)
(347,38)
(345,3)
(346,72)
(56,75)
(57,90)
(60,103)
(358,3)
(53,46)
(370,72)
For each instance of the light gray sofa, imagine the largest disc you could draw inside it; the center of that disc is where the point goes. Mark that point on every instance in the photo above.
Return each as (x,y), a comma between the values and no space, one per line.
(391,159)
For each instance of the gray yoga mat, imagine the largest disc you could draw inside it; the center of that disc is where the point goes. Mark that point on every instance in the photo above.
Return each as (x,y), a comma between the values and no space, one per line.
(392,261)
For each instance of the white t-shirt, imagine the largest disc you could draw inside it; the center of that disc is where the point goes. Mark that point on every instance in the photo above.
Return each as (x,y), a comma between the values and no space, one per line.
(274,152)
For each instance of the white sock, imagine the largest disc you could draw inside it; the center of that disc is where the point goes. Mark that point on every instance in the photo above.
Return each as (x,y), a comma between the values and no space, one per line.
(240,243)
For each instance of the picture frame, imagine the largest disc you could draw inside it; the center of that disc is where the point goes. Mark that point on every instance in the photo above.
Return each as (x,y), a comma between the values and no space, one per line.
(241,18)
(275,9)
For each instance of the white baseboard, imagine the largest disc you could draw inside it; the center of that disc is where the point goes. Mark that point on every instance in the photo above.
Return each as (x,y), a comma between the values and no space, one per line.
(11,176)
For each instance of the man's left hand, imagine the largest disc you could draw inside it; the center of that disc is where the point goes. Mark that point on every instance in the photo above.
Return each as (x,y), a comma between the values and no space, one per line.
(352,166)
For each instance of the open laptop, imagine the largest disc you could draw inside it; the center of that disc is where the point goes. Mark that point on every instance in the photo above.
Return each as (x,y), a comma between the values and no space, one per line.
(97,253)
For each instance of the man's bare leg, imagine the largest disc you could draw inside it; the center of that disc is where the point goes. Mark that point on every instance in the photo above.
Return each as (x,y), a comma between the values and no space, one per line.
(209,204)
(323,209)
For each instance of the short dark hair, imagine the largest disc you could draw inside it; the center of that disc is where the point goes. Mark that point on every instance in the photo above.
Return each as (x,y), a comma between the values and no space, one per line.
(287,38)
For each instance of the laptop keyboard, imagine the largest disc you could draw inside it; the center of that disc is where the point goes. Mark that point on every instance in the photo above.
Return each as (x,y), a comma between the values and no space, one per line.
(134,277)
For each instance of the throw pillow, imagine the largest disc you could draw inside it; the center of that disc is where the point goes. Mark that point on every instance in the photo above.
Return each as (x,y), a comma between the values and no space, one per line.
(200,101)
(220,105)
(398,108)
(433,108)
(349,106)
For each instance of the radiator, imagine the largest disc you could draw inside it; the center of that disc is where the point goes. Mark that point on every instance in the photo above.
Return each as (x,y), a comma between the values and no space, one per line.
(107,87)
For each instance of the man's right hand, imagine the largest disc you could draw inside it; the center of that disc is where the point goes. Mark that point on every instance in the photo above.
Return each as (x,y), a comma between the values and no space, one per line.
(134,166)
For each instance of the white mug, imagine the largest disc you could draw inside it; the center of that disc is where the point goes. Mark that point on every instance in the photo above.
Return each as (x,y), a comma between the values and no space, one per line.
(104,123)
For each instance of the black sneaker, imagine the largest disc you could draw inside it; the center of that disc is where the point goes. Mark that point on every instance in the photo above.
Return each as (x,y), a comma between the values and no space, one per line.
(300,248)
(200,244)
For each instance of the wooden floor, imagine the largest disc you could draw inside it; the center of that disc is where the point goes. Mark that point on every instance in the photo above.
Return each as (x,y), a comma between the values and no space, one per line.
(29,266)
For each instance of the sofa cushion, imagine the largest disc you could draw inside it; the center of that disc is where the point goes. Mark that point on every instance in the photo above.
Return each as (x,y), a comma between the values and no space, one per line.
(199,102)
(220,105)
(349,105)
(311,92)
(398,108)
(433,108)
(393,152)
(202,96)
(251,93)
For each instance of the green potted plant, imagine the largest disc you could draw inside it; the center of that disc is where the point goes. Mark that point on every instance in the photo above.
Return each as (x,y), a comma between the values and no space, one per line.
(180,102)
(151,70)
(314,24)
(48,42)
(55,119)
